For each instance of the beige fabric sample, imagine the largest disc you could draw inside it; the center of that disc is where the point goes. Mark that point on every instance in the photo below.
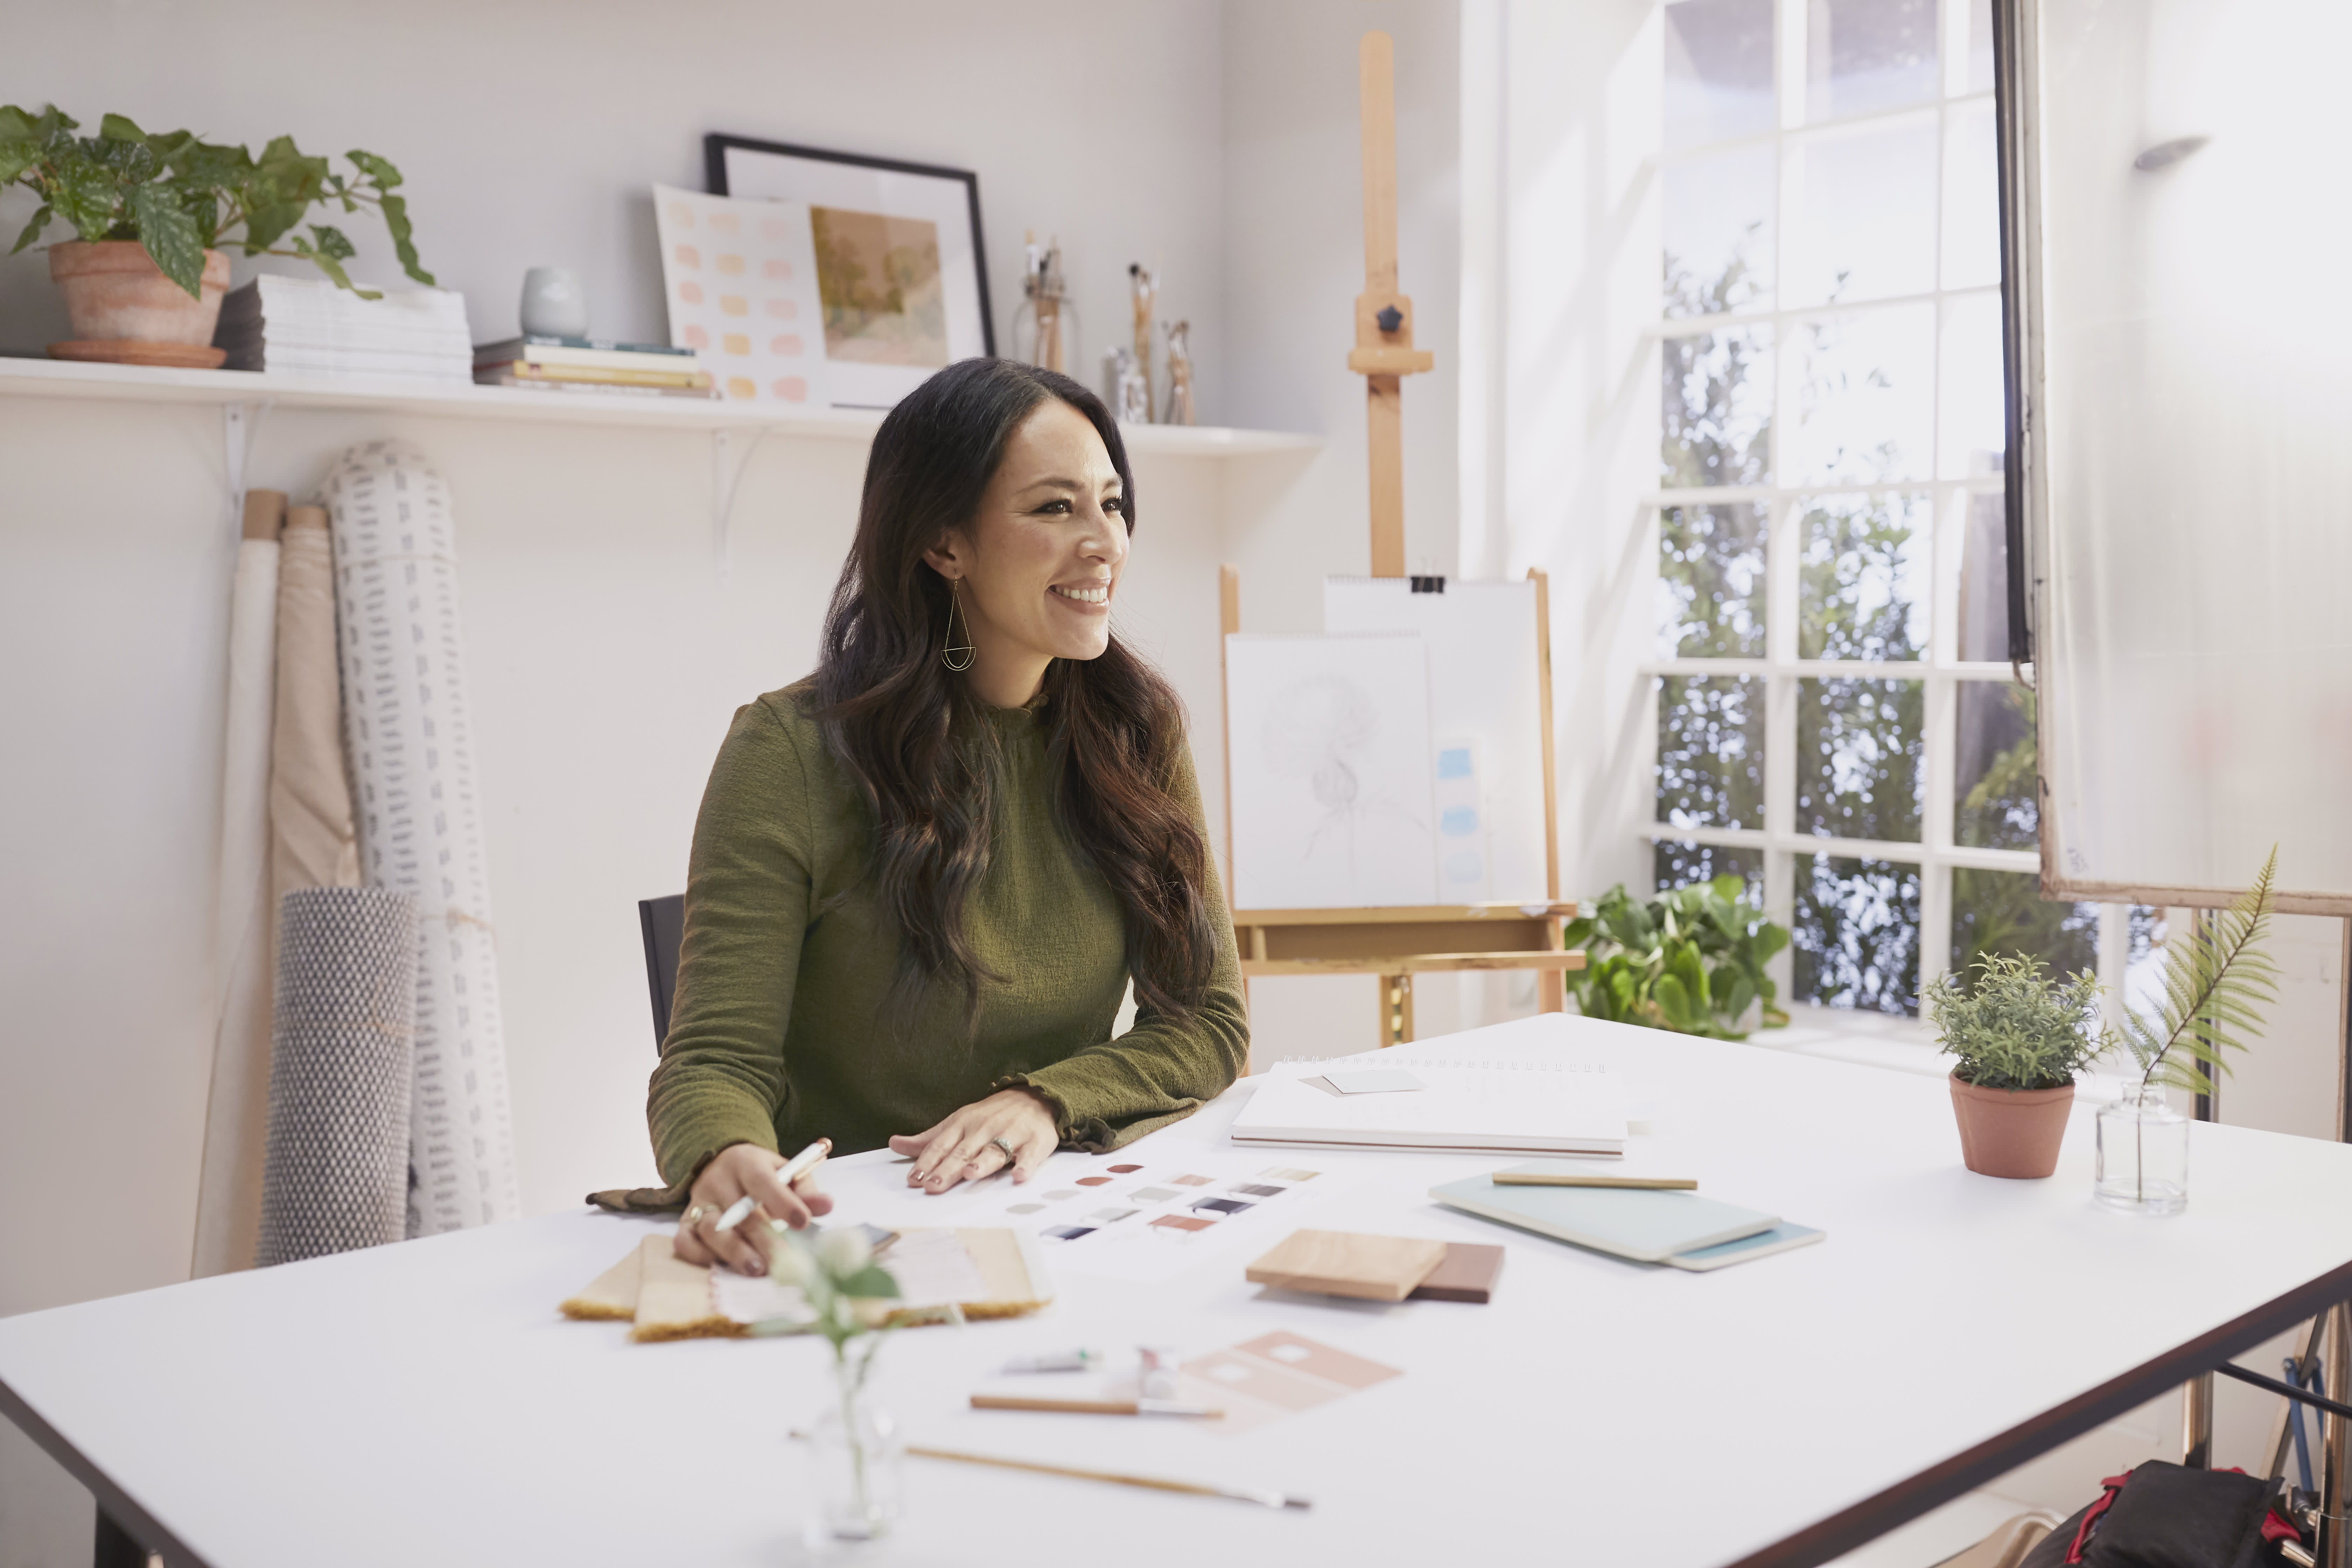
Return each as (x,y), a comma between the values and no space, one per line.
(237,1113)
(673,1298)
(312,841)
(612,1295)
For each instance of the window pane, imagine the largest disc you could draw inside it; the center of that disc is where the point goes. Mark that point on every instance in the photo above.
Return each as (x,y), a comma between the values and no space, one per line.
(1718,70)
(1984,578)
(1979,46)
(1716,397)
(1680,864)
(1975,430)
(2003,912)
(1862,54)
(1866,397)
(1994,771)
(1711,582)
(1711,751)
(1719,232)
(1858,773)
(1855,940)
(1863,587)
(1863,202)
(1971,198)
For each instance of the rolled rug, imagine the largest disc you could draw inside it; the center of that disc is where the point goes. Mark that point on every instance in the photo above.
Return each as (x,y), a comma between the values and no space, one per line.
(336,1174)
(419,810)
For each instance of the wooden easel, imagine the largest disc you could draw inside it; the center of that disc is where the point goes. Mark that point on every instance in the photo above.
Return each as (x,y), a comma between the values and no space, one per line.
(1395,944)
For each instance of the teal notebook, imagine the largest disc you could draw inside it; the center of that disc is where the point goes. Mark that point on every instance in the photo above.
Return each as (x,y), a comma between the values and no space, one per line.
(1646,1226)
(1763,1244)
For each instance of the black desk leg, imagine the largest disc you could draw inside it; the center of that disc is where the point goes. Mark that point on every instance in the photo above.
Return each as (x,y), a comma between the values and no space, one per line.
(116,1546)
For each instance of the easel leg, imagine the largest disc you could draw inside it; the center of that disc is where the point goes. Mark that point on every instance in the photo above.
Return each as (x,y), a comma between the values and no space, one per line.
(1396,1010)
(1551,991)
(1385,410)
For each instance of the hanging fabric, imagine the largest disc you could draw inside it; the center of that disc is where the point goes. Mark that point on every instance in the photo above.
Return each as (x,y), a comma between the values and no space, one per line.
(312,843)
(420,818)
(228,1189)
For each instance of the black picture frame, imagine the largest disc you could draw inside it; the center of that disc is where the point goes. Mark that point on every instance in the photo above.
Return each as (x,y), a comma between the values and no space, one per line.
(715,147)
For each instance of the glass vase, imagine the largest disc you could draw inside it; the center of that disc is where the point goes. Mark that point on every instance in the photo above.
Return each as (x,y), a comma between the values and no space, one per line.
(858,1452)
(2143,1155)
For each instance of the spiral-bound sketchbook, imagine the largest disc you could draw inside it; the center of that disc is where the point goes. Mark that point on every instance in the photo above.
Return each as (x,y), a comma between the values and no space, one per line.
(1563,1107)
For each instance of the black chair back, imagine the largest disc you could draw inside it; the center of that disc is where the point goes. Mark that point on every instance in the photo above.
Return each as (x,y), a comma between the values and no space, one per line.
(663,921)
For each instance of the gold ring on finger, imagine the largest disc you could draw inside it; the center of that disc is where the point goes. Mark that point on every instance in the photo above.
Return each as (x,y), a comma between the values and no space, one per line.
(695,1214)
(1009,1157)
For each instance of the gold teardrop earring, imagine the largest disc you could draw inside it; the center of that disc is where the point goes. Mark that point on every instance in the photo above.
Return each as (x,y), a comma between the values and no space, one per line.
(947,655)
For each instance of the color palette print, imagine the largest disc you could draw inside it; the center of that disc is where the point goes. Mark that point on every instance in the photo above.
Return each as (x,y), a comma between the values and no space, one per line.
(1149,1220)
(739,278)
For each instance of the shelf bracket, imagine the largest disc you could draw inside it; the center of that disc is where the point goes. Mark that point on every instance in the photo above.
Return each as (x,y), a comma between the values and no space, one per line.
(240,427)
(725,475)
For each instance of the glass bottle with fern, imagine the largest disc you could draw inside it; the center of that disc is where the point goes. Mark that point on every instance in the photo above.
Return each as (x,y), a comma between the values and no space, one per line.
(2216,978)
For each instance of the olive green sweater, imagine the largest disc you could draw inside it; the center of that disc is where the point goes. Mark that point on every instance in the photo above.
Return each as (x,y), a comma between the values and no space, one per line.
(789,959)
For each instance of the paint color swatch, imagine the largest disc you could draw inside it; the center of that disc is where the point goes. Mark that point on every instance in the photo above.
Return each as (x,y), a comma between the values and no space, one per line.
(739,277)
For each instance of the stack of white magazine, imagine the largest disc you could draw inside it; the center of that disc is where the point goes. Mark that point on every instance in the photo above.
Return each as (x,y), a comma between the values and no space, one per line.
(308,325)
(1483,1089)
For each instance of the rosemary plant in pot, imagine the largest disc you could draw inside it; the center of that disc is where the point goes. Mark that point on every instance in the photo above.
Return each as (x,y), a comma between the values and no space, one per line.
(2019,1036)
(856,1445)
(2214,976)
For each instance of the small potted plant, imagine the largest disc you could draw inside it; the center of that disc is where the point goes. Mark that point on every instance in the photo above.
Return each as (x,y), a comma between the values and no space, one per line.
(142,281)
(2019,1035)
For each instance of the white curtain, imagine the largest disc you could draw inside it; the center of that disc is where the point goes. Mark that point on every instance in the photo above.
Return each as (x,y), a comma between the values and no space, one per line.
(2194,651)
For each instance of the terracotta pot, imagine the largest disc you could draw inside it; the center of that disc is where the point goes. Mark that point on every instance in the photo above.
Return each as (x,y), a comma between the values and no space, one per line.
(2010,1132)
(114,291)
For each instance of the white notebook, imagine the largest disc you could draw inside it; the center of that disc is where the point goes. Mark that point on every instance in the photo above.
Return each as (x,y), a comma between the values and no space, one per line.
(1506,1102)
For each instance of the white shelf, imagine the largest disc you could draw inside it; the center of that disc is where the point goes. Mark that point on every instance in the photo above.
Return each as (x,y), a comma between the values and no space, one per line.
(66,379)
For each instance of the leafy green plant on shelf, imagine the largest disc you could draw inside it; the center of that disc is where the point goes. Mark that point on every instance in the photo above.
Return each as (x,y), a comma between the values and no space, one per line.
(1691,960)
(2014,1025)
(178,196)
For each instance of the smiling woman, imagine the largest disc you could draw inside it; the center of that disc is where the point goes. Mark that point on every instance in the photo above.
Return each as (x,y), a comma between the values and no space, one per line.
(924,876)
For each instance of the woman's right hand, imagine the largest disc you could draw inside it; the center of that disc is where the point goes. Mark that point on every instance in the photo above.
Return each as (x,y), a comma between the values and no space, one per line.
(742,1168)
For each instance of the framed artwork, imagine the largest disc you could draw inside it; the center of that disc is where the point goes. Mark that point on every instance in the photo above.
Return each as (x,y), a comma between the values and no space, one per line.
(901,274)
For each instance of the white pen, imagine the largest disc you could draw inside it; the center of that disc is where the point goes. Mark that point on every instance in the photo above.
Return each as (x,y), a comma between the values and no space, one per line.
(791,1170)
(1055,1360)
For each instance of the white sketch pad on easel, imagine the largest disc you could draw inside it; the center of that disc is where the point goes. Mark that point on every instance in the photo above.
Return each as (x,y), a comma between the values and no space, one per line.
(1483,679)
(1331,771)
(740,280)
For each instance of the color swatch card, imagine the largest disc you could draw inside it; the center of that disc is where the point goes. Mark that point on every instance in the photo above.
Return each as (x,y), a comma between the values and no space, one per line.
(1137,1219)
(740,280)
(1256,1381)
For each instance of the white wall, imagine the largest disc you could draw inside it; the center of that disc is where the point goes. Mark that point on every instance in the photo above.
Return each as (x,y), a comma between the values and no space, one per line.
(1294,242)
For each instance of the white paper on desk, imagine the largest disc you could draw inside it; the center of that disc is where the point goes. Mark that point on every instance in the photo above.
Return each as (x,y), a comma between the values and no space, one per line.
(1373,1081)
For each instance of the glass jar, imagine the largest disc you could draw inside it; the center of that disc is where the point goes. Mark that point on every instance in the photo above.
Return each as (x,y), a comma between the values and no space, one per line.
(857,1451)
(2143,1154)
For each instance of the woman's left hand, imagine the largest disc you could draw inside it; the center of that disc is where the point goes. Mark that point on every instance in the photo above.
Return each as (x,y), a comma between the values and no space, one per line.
(1011,1127)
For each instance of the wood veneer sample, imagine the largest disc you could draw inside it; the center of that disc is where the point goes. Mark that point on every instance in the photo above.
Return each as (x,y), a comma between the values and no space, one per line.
(1468,1274)
(1344,1263)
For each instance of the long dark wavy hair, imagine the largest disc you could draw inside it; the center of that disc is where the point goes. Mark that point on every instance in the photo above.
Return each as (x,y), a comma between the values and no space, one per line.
(916,738)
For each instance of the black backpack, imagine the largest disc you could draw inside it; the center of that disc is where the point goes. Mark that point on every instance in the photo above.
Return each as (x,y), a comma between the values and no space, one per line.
(2165,1516)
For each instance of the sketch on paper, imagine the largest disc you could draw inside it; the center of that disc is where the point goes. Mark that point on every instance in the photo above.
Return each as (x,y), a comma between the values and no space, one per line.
(1489,750)
(1331,771)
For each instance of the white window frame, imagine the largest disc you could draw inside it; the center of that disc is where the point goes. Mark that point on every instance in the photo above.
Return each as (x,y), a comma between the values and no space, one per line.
(1936,855)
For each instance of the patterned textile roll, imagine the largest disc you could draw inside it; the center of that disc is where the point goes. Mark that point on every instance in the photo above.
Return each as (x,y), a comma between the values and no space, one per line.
(420,818)
(336,1176)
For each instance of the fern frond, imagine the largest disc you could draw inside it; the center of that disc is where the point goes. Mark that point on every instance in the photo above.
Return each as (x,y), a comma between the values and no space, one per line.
(2217,979)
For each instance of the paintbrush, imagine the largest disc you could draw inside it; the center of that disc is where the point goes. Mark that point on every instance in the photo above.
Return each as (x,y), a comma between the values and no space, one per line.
(1119,1478)
(1568,1179)
(1092,1406)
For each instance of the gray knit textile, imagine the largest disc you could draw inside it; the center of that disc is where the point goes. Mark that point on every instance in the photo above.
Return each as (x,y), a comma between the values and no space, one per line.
(335,1176)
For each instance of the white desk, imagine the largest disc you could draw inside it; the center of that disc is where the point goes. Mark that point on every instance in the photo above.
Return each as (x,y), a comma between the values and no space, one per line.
(423,1404)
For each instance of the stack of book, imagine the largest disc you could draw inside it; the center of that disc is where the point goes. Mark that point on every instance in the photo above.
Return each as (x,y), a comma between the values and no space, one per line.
(592,364)
(308,324)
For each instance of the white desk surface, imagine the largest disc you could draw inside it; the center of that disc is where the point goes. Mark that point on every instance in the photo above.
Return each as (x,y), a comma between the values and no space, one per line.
(424,1403)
